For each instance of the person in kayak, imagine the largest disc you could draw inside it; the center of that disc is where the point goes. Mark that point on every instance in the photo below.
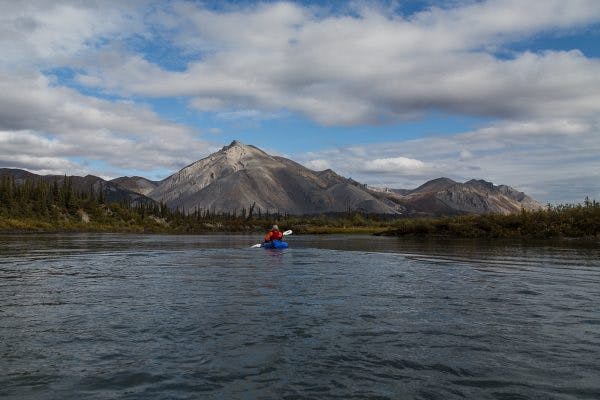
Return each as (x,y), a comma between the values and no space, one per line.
(274,234)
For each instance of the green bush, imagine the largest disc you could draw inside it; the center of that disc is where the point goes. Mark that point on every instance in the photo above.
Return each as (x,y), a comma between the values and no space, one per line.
(565,220)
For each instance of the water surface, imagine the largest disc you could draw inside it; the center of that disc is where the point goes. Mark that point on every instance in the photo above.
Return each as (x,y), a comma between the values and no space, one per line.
(179,317)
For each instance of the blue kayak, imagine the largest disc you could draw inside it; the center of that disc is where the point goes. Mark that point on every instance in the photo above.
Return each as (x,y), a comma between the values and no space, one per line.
(275,244)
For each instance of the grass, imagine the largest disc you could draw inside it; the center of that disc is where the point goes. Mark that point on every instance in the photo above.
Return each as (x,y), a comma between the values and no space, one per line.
(564,221)
(324,230)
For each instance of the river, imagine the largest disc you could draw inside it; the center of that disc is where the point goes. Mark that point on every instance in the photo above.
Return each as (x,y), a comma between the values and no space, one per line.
(101,316)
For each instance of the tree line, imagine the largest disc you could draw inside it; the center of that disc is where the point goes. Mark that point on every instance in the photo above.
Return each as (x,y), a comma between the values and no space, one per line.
(58,205)
(40,205)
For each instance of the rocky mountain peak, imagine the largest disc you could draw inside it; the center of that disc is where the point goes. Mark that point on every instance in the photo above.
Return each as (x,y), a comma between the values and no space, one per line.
(235,143)
(237,151)
(435,185)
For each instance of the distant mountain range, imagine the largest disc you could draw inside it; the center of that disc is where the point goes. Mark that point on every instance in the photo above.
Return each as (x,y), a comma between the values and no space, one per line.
(112,191)
(444,196)
(241,176)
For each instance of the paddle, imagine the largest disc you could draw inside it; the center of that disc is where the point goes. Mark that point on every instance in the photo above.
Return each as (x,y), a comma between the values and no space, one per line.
(286,233)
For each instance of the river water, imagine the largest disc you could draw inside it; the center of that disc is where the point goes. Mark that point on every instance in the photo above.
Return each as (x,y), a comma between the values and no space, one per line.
(99,316)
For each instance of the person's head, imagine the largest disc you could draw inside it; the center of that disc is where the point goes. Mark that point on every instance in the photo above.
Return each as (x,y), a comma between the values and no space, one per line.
(275,228)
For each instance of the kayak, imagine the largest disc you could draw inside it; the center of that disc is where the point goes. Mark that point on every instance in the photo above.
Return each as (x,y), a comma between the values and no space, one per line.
(275,244)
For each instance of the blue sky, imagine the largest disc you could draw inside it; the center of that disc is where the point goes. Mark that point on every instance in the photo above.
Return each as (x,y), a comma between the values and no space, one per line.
(391,93)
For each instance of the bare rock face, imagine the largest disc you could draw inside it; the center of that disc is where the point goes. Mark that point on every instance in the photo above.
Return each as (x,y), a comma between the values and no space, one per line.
(479,196)
(240,175)
(444,196)
(85,218)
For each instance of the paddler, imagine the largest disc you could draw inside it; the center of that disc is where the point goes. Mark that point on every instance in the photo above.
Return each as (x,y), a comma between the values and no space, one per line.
(274,234)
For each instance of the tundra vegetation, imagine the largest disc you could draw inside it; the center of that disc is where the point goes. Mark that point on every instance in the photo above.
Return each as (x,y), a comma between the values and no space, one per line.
(39,206)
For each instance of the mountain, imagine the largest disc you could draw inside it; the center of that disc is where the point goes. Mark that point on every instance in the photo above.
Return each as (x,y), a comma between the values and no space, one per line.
(444,196)
(239,175)
(111,192)
(242,176)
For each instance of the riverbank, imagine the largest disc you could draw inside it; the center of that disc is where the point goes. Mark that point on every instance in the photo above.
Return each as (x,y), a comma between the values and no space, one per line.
(581,221)
(151,226)
(564,221)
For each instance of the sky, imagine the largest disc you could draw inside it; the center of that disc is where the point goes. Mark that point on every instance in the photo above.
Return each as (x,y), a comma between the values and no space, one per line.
(389,93)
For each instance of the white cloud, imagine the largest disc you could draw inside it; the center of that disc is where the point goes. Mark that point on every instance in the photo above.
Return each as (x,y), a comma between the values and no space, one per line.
(49,32)
(481,24)
(395,165)
(45,126)
(248,115)
(371,67)
(554,160)
(119,133)
(465,155)
(29,150)
(318,164)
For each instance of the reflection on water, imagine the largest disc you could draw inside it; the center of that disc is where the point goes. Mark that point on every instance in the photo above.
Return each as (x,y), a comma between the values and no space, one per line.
(127,316)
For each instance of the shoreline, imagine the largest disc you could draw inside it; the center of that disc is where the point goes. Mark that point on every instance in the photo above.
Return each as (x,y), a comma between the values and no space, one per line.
(579,222)
(319,231)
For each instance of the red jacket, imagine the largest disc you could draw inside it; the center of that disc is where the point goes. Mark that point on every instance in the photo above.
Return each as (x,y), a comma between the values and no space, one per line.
(273,235)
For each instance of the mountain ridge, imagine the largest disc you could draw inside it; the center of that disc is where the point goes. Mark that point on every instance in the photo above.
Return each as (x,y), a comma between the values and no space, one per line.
(240,176)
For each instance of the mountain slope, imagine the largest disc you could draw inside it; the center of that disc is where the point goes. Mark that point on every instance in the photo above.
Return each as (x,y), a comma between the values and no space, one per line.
(240,175)
(444,196)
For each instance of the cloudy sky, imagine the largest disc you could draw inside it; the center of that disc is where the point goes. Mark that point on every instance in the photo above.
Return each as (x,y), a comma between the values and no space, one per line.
(390,93)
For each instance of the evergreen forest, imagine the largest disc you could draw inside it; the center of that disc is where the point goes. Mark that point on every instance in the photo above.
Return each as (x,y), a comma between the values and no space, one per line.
(36,205)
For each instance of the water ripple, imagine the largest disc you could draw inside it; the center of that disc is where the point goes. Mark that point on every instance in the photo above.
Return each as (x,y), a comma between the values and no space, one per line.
(335,317)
